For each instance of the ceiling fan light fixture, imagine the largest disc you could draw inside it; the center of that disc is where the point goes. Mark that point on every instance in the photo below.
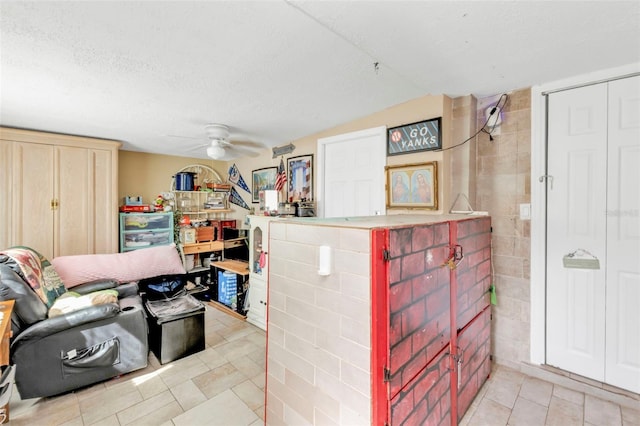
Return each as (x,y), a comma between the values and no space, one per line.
(215,152)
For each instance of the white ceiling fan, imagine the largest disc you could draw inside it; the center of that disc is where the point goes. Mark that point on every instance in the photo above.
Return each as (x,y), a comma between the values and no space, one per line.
(222,148)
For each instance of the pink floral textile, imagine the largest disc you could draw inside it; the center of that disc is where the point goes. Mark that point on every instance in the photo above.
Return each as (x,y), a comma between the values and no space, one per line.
(38,273)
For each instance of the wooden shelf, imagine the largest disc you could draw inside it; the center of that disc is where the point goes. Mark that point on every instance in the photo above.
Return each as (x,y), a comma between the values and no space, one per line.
(236,266)
(224,308)
(205,247)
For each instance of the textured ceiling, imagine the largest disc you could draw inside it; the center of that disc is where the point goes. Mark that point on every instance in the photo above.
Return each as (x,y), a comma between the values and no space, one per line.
(153,74)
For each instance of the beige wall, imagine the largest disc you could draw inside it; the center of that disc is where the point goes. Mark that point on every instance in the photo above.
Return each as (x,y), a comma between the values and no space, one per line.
(150,174)
(409,112)
(504,182)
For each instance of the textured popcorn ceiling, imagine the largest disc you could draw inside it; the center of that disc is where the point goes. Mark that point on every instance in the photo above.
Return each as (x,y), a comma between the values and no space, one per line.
(153,74)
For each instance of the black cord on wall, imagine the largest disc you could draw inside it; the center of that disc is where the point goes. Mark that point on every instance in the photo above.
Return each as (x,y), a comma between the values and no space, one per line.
(498,106)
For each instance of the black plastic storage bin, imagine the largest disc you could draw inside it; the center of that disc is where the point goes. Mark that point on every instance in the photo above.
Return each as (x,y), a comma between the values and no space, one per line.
(176,327)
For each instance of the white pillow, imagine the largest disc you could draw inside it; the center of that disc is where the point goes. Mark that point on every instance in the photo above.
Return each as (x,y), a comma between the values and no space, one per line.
(71,301)
(123,267)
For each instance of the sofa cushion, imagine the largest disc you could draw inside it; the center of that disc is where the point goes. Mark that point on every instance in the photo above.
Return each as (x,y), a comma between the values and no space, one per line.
(72,301)
(123,267)
(36,271)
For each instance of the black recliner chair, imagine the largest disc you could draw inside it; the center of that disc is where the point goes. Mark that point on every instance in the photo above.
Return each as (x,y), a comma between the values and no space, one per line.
(76,349)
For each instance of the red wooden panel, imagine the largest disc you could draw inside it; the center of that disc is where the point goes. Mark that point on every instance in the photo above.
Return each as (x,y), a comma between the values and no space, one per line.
(474,271)
(425,400)
(418,299)
(475,343)
(379,327)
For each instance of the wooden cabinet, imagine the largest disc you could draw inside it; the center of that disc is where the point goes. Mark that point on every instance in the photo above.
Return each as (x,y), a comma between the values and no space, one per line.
(6,309)
(61,191)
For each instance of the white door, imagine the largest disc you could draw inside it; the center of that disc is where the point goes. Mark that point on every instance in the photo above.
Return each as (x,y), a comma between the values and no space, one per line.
(593,320)
(622,354)
(351,174)
(576,195)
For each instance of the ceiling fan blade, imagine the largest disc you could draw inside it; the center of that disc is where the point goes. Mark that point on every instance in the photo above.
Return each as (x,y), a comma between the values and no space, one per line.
(248,144)
(242,151)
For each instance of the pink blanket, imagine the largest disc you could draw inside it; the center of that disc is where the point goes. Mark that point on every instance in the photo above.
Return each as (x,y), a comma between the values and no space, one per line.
(123,267)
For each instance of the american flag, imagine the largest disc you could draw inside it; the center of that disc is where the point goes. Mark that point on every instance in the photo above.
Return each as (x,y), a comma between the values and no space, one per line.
(281,178)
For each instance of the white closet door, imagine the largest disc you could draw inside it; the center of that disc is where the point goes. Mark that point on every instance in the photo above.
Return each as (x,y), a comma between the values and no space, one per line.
(623,236)
(351,173)
(577,152)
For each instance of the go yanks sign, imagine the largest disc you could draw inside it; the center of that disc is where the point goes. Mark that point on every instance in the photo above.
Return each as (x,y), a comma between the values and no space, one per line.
(415,137)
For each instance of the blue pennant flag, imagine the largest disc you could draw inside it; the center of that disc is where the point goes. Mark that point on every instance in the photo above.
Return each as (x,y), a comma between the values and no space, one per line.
(236,199)
(236,178)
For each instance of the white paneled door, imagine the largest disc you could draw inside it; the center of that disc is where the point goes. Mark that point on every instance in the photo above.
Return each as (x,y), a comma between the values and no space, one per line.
(593,199)
(622,353)
(351,173)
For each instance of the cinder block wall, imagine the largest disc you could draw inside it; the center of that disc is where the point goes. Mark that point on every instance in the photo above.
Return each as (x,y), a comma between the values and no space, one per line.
(504,182)
(325,319)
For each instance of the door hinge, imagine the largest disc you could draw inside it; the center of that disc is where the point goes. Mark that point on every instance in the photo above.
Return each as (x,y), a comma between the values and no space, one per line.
(386,255)
(386,373)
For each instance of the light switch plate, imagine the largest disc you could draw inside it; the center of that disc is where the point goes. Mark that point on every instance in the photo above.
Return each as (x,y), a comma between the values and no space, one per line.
(525,211)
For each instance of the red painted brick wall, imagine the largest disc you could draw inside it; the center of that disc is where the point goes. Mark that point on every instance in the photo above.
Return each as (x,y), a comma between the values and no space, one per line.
(426,400)
(419,294)
(476,366)
(474,271)
(418,299)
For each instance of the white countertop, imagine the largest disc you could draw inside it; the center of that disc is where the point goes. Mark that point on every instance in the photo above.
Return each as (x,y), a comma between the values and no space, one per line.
(380,221)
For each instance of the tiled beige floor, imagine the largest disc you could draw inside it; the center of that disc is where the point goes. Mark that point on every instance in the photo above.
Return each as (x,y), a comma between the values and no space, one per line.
(224,385)
(510,398)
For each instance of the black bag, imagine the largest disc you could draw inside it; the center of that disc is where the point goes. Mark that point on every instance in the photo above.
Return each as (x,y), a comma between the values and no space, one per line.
(163,287)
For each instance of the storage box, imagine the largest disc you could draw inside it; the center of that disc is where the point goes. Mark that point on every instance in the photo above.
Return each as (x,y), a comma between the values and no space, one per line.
(227,223)
(136,209)
(227,288)
(205,233)
(222,187)
(187,235)
(172,334)
(133,201)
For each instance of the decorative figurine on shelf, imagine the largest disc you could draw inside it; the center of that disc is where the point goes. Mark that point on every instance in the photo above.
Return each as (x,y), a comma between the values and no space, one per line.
(163,202)
(159,203)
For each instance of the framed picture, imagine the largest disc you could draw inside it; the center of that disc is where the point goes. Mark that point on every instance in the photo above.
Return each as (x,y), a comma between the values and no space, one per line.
(262,180)
(414,137)
(300,178)
(413,186)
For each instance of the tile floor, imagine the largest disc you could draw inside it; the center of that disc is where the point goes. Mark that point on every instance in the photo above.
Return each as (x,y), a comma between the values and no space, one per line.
(224,385)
